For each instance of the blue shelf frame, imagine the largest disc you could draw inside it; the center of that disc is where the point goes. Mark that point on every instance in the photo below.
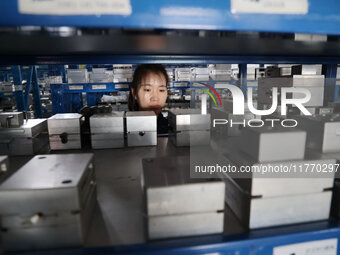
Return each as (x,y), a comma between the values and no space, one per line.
(322,17)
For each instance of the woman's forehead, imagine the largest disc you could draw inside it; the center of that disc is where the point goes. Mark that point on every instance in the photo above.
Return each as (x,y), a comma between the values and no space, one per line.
(152,78)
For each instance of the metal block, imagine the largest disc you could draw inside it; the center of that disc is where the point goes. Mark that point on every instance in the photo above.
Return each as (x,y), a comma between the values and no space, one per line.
(308,80)
(11,119)
(188,120)
(188,201)
(141,128)
(323,132)
(317,95)
(64,123)
(107,123)
(190,138)
(65,141)
(273,209)
(49,184)
(273,143)
(307,69)
(28,139)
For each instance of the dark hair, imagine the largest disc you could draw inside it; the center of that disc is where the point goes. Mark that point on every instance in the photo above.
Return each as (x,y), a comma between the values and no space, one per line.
(140,72)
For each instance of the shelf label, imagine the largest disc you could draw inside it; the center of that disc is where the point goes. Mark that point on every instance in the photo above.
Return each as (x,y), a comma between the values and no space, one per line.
(180,84)
(270,6)
(8,94)
(75,7)
(98,86)
(121,86)
(75,87)
(323,247)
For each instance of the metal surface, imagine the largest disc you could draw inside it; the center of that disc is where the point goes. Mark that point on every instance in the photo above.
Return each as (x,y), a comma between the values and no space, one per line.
(273,144)
(11,119)
(323,131)
(64,131)
(51,195)
(141,128)
(189,127)
(193,207)
(256,212)
(107,130)
(28,139)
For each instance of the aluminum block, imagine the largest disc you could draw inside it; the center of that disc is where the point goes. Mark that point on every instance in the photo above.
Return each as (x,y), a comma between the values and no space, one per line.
(64,123)
(107,123)
(65,141)
(258,212)
(308,80)
(307,69)
(178,205)
(188,120)
(30,128)
(49,184)
(141,128)
(323,132)
(317,96)
(267,143)
(11,119)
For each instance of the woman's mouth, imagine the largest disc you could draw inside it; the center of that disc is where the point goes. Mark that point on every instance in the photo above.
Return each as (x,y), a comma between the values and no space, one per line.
(156,106)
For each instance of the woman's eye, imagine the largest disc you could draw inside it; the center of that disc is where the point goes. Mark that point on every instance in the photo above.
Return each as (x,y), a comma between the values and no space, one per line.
(162,90)
(147,90)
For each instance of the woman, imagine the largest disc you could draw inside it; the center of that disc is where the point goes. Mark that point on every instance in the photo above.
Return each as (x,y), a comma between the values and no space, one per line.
(149,92)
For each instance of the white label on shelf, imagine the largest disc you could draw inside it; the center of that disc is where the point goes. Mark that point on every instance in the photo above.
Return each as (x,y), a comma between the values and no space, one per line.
(75,7)
(323,247)
(270,6)
(75,87)
(180,84)
(8,94)
(98,86)
(122,86)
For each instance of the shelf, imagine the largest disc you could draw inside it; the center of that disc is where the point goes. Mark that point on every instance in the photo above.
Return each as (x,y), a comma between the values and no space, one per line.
(321,17)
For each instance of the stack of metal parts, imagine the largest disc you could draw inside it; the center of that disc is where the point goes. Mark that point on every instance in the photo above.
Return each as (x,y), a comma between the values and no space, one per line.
(188,127)
(220,72)
(302,76)
(263,199)
(64,131)
(19,137)
(177,205)
(141,128)
(170,73)
(107,130)
(48,203)
(323,137)
(122,73)
(182,74)
(200,74)
(6,86)
(101,75)
(77,75)
(4,168)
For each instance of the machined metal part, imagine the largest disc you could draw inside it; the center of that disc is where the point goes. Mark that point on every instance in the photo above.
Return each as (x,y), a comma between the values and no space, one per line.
(107,130)
(64,131)
(323,132)
(189,127)
(192,207)
(268,143)
(141,128)
(28,139)
(11,119)
(48,202)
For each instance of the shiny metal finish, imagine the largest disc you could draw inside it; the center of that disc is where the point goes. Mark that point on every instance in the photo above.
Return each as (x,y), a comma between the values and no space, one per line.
(64,131)
(11,119)
(28,139)
(267,143)
(107,130)
(323,132)
(48,202)
(4,168)
(189,127)
(141,128)
(193,207)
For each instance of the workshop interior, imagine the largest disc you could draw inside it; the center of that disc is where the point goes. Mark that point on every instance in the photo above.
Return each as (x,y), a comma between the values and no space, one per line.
(243,157)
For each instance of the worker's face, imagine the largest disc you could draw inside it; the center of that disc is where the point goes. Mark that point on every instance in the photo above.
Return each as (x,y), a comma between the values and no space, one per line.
(152,93)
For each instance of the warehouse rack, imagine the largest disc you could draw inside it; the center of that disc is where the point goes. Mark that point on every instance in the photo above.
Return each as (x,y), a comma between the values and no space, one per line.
(215,18)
